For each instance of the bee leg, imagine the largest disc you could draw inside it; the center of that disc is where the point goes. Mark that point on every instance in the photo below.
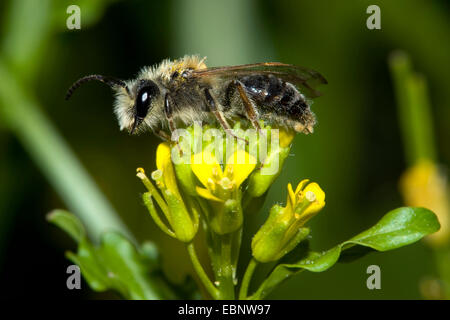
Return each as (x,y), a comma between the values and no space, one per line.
(219,115)
(166,137)
(168,111)
(250,109)
(162,135)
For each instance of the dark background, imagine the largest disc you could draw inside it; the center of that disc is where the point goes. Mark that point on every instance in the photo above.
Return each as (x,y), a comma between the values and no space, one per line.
(356,153)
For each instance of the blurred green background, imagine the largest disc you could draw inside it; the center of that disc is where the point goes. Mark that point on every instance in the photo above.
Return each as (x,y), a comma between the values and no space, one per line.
(356,153)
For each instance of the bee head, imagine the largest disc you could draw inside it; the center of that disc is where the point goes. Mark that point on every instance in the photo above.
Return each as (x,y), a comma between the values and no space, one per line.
(146,92)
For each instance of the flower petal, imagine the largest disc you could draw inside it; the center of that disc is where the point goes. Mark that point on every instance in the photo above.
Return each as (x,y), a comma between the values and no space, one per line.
(319,202)
(286,136)
(290,202)
(204,165)
(300,186)
(162,155)
(239,165)
(164,164)
(205,193)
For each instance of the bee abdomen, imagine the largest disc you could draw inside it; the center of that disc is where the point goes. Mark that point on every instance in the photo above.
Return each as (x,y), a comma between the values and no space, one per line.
(274,95)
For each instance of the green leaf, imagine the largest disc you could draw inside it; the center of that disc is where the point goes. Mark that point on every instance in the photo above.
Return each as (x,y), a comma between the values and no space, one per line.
(396,229)
(91,268)
(68,222)
(115,264)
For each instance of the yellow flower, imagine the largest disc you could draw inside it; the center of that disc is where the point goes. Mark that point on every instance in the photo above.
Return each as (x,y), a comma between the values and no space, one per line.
(183,221)
(283,229)
(423,185)
(220,185)
(305,202)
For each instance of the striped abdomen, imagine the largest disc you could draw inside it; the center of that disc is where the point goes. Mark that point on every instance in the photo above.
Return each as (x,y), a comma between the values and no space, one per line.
(276,96)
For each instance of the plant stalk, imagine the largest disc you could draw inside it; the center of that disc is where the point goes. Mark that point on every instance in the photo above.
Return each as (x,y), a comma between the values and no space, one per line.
(247,278)
(225,274)
(212,290)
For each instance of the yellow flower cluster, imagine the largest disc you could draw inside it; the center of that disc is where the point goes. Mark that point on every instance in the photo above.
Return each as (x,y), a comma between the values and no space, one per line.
(204,187)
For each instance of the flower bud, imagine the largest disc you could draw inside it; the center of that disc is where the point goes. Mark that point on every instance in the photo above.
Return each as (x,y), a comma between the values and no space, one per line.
(270,168)
(226,217)
(283,229)
(262,178)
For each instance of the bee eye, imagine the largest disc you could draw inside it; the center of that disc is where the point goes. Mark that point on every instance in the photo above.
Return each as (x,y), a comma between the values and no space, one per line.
(147,91)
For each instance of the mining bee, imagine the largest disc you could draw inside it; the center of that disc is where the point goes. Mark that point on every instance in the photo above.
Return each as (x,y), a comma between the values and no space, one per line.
(185,90)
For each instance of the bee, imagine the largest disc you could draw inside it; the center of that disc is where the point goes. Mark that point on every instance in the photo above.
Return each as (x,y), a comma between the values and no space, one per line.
(183,91)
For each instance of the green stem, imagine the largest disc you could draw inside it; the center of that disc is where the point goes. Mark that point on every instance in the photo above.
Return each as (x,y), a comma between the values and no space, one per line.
(235,249)
(414,110)
(212,290)
(148,202)
(211,239)
(247,278)
(223,251)
(225,273)
(153,191)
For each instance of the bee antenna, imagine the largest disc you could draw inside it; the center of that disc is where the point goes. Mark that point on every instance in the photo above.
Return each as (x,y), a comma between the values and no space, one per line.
(110,81)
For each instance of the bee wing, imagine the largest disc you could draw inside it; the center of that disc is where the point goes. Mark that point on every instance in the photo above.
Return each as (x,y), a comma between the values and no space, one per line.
(305,79)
